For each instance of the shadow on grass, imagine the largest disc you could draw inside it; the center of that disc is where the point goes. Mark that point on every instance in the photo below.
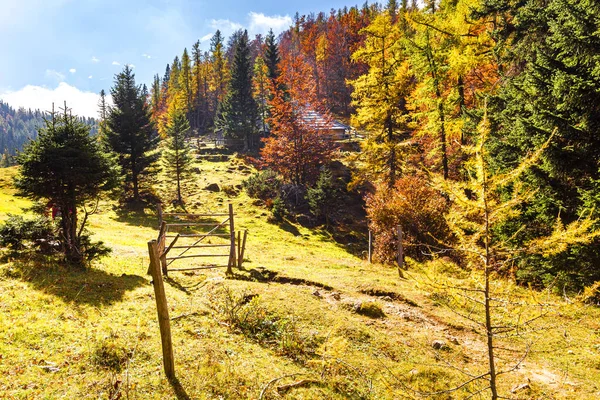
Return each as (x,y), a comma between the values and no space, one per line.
(179,389)
(265,275)
(288,227)
(80,286)
(180,286)
(138,217)
(352,239)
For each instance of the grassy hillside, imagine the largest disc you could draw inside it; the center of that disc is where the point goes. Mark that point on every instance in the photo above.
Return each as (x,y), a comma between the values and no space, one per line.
(305,319)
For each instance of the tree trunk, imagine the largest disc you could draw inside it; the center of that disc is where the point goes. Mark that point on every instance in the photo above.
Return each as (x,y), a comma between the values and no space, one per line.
(392,159)
(134,179)
(461,105)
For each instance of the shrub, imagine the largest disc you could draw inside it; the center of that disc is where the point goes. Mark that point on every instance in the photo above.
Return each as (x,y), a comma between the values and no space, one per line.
(279,209)
(110,354)
(591,294)
(369,309)
(39,234)
(322,198)
(263,185)
(18,233)
(244,313)
(417,208)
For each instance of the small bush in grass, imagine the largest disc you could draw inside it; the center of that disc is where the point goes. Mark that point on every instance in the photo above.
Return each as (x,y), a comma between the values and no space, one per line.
(263,185)
(418,209)
(279,209)
(18,233)
(109,354)
(591,294)
(323,197)
(369,309)
(244,313)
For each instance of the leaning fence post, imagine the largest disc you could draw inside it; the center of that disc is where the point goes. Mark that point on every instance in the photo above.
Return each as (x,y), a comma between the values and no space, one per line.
(239,248)
(161,247)
(162,310)
(232,238)
(400,252)
(242,249)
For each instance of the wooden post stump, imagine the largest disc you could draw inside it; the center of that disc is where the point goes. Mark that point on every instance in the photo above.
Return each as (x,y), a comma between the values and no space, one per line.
(400,254)
(162,310)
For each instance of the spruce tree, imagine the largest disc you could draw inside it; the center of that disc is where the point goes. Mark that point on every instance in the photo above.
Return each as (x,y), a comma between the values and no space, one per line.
(131,134)
(237,112)
(103,114)
(272,55)
(177,158)
(554,84)
(67,167)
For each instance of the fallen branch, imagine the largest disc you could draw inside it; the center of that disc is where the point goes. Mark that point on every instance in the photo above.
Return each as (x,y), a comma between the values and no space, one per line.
(303,382)
(183,316)
(272,381)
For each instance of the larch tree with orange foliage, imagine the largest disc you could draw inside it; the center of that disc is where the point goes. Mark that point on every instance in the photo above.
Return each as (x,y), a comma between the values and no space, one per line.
(297,147)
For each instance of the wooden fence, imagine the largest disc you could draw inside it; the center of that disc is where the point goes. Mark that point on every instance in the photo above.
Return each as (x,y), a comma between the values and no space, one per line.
(160,262)
(223,233)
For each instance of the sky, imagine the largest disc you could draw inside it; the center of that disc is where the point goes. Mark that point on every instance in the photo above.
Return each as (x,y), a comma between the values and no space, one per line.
(68,50)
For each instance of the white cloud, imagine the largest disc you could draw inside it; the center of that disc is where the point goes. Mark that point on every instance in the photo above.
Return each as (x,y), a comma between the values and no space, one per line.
(82,103)
(116,63)
(72,70)
(226,26)
(261,23)
(90,77)
(256,23)
(51,73)
(95,60)
(148,56)
(206,37)
(132,66)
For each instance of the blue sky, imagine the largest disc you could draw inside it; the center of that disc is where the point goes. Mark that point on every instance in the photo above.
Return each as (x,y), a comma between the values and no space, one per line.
(56,50)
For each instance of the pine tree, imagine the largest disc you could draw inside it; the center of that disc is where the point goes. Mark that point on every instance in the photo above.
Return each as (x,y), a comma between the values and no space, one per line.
(67,167)
(272,55)
(131,133)
(237,112)
(177,157)
(553,84)
(103,114)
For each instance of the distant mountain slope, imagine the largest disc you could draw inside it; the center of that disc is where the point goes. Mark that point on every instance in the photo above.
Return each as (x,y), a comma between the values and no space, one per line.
(18,126)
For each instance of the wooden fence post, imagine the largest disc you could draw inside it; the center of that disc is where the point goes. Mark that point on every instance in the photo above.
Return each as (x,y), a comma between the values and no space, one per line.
(232,237)
(242,250)
(161,247)
(239,248)
(160,214)
(370,246)
(162,309)
(400,252)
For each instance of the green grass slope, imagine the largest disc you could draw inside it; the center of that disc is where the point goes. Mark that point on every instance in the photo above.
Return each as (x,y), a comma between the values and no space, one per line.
(304,319)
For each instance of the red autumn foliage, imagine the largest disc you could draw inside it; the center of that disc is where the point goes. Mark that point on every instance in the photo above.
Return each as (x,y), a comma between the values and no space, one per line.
(296,149)
(417,208)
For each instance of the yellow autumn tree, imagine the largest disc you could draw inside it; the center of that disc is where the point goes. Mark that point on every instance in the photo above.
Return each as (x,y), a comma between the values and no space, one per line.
(380,100)
(479,204)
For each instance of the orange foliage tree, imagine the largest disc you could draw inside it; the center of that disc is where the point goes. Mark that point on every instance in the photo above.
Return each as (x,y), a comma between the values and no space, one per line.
(296,148)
